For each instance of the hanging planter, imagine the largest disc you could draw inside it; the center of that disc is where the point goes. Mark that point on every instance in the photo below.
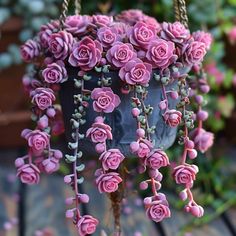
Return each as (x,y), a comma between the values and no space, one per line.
(124,90)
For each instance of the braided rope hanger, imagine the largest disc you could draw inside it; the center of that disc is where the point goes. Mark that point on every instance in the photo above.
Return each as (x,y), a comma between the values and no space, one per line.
(179,9)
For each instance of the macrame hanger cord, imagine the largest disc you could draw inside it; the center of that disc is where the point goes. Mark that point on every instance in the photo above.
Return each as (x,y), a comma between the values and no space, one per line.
(64,10)
(181,12)
(77,7)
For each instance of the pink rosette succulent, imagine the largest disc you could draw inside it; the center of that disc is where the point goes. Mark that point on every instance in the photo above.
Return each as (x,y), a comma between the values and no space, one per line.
(194,52)
(29,174)
(203,37)
(161,53)
(136,72)
(121,28)
(104,100)
(175,32)
(141,148)
(99,132)
(203,140)
(185,174)
(120,54)
(46,31)
(86,54)
(153,22)
(43,97)
(50,165)
(77,24)
(109,182)
(55,73)
(37,140)
(130,17)
(172,117)
(142,34)
(157,207)
(157,159)
(30,50)
(60,44)
(87,225)
(108,36)
(102,20)
(111,159)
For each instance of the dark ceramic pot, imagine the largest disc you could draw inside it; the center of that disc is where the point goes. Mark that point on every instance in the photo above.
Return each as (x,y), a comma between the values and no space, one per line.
(121,121)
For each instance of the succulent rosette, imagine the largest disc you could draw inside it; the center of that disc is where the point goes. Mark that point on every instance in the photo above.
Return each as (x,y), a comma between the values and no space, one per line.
(88,51)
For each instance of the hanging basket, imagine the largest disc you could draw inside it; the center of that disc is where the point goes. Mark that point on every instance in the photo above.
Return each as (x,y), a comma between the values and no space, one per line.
(124,87)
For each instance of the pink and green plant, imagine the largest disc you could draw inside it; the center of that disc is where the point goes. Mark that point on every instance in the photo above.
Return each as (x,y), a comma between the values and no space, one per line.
(139,49)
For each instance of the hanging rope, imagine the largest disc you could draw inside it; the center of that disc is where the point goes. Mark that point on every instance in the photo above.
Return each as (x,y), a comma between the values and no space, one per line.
(64,11)
(181,12)
(77,7)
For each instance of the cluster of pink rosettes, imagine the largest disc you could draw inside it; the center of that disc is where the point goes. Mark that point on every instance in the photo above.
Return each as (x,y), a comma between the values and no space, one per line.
(107,177)
(140,43)
(41,158)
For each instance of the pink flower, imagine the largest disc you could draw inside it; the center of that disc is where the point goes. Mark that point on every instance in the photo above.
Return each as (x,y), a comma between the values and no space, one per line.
(77,24)
(175,32)
(60,44)
(55,73)
(130,16)
(172,117)
(99,132)
(203,140)
(86,225)
(156,159)
(108,183)
(161,53)
(102,20)
(185,174)
(194,209)
(141,148)
(203,37)
(43,97)
(157,207)
(108,36)
(120,54)
(29,174)
(50,165)
(111,159)
(86,54)
(37,140)
(104,100)
(153,22)
(121,28)
(136,72)
(142,34)
(46,31)
(30,50)
(194,53)
(232,35)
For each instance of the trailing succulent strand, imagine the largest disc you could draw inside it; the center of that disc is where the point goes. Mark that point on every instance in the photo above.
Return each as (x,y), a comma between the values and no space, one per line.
(107,177)
(150,158)
(85,224)
(140,50)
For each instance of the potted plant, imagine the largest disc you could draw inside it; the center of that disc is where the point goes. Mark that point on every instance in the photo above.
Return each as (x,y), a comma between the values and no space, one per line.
(125,85)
